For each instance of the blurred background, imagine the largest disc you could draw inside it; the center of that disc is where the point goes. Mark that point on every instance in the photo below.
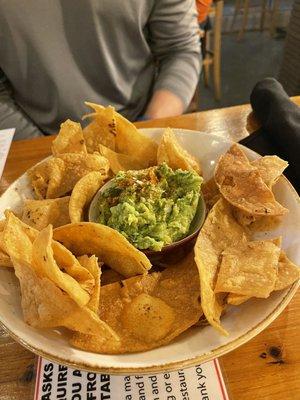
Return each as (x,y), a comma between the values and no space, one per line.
(245,43)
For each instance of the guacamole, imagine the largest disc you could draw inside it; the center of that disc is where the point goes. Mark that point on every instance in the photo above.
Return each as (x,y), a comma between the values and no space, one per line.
(151,207)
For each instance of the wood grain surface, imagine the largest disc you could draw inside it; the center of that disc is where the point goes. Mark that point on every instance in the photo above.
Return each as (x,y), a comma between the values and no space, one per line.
(266,368)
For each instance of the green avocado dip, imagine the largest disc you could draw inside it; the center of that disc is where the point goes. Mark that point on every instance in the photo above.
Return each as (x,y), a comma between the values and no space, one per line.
(151,207)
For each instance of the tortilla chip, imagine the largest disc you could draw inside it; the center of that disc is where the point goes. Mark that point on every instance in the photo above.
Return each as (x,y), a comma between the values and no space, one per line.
(104,242)
(83,193)
(288,272)
(270,168)
(244,218)
(46,176)
(236,299)
(120,135)
(147,311)
(257,223)
(249,268)
(220,230)
(41,213)
(68,263)
(120,162)
(69,139)
(153,317)
(130,141)
(211,193)
(265,224)
(45,265)
(172,153)
(91,264)
(110,276)
(5,260)
(102,129)
(17,239)
(242,186)
(46,306)
(56,176)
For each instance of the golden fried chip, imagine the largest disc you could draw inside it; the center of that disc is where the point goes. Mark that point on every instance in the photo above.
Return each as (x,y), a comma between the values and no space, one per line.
(56,176)
(17,239)
(45,265)
(119,135)
(270,168)
(147,311)
(46,176)
(130,141)
(41,213)
(249,268)
(265,223)
(91,264)
(242,186)
(153,316)
(247,219)
(220,230)
(83,193)
(102,129)
(69,139)
(257,223)
(236,299)
(172,153)
(120,162)
(104,242)
(5,260)
(68,263)
(46,306)
(211,193)
(288,272)
(110,276)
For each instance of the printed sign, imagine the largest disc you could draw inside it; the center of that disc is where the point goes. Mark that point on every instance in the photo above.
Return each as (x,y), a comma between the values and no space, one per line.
(202,382)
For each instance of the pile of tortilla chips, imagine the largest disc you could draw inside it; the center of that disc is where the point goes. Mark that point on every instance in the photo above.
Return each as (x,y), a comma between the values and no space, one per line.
(233,267)
(85,276)
(88,278)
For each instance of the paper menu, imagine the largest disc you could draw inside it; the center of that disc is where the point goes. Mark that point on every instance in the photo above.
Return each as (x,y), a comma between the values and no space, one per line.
(201,382)
(6,136)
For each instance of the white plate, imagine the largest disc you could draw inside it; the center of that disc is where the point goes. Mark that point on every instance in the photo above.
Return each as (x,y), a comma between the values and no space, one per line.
(194,346)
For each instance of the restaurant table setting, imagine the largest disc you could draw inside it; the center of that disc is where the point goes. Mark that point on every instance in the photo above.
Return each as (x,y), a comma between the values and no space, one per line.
(256,343)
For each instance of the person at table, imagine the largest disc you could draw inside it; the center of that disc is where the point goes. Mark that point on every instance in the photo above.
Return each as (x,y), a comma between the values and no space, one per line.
(141,56)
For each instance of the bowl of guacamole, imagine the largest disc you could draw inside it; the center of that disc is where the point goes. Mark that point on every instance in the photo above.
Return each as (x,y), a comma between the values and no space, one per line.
(153,208)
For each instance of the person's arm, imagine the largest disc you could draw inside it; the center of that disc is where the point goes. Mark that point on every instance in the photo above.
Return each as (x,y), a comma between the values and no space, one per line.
(12,116)
(174,41)
(164,104)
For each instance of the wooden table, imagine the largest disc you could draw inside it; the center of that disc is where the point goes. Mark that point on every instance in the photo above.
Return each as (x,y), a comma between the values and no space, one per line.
(266,368)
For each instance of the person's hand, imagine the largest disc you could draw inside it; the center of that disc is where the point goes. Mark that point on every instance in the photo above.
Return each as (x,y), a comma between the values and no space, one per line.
(164,104)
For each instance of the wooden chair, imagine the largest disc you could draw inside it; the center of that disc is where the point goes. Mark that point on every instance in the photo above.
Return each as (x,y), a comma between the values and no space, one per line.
(212,50)
(244,5)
